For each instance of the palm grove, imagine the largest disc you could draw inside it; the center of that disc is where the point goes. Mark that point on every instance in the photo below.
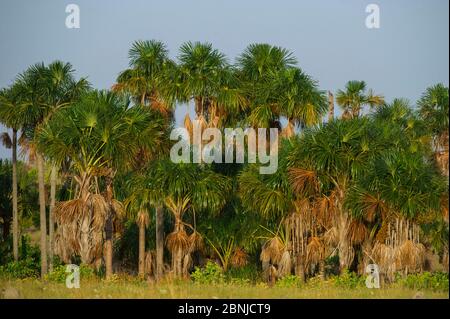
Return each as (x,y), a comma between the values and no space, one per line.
(368,187)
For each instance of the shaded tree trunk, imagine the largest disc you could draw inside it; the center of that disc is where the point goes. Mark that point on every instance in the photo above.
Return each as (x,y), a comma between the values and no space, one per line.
(14,195)
(159,242)
(322,269)
(141,249)
(51,222)
(300,269)
(109,231)
(42,213)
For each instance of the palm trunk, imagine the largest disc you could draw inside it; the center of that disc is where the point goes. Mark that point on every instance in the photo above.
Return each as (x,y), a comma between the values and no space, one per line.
(51,222)
(322,269)
(159,242)
(330,107)
(42,213)
(14,195)
(109,231)
(141,249)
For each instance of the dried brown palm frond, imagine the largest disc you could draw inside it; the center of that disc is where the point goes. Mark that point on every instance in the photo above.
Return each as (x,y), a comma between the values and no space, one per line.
(187,264)
(285,264)
(196,242)
(202,122)
(6,140)
(372,206)
(27,149)
(118,208)
(303,180)
(214,122)
(346,115)
(80,226)
(357,232)
(383,256)
(142,218)
(444,206)
(188,125)
(270,274)
(410,256)
(288,130)
(382,234)
(331,237)
(315,251)
(177,240)
(272,250)
(324,210)
(239,258)
(158,104)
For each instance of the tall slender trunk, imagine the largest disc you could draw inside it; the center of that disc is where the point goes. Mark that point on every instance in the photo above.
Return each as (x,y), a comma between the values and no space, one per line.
(141,249)
(159,242)
(42,213)
(14,195)
(51,222)
(109,231)
(330,106)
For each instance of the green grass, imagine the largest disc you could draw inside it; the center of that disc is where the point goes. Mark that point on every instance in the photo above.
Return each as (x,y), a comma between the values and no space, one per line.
(128,288)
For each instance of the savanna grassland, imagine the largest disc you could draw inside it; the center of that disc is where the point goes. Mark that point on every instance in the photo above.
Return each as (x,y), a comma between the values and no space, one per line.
(91,182)
(37,289)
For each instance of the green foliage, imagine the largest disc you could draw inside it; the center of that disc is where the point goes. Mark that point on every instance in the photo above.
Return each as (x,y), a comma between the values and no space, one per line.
(246,274)
(348,280)
(289,282)
(25,268)
(212,273)
(435,281)
(28,265)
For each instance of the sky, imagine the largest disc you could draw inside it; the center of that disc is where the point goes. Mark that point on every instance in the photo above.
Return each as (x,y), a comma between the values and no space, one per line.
(406,54)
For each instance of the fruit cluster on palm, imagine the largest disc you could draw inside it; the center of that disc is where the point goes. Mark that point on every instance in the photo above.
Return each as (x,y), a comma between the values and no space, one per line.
(369,187)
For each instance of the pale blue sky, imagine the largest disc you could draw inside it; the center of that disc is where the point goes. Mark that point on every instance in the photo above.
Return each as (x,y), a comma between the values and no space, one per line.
(329,37)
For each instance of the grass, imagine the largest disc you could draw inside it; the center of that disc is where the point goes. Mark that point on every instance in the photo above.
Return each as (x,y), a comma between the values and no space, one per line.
(121,288)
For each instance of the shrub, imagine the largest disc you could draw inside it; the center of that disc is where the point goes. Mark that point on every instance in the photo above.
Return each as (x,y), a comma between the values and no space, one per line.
(434,281)
(348,280)
(21,269)
(289,282)
(212,273)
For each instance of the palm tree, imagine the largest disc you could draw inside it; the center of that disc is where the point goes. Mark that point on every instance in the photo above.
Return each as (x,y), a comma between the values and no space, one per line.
(9,100)
(139,204)
(433,108)
(258,65)
(101,135)
(149,80)
(144,79)
(186,188)
(296,97)
(46,90)
(353,99)
(200,69)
